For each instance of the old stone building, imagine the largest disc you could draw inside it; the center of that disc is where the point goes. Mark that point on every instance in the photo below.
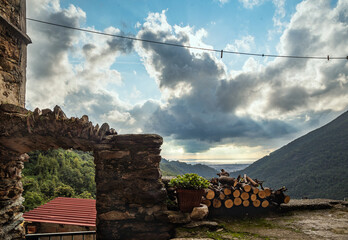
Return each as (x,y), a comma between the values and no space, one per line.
(131,197)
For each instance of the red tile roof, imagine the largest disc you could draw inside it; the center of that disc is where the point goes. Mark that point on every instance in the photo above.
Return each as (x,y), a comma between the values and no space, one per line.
(62,210)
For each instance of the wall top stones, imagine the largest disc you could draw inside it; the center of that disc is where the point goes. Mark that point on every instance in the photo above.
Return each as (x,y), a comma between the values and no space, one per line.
(22,131)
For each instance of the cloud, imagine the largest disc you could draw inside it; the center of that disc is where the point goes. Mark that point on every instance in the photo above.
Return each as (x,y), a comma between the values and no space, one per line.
(253,107)
(61,62)
(279,14)
(223,1)
(203,105)
(250,3)
(49,69)
(199,114)
(243,44)
(278,18)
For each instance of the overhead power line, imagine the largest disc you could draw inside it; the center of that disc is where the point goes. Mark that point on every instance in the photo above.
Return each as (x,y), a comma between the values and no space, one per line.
(185,46)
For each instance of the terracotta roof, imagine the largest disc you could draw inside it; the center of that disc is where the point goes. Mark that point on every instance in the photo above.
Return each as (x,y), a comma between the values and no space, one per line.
(62,210)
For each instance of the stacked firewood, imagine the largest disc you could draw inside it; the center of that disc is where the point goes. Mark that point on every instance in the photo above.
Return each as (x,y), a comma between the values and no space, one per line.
(226,191)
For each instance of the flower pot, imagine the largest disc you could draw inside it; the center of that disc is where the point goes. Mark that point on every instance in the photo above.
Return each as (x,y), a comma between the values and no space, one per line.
(188,199)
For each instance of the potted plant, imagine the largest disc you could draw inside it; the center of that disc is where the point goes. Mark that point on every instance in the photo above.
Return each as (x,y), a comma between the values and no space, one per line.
(190,188)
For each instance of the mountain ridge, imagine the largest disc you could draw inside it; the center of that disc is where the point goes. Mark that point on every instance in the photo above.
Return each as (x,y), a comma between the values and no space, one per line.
(314,165)
(174,168)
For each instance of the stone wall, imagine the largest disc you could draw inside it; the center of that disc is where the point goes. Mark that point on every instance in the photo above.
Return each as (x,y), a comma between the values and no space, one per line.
(129,190)
(13,50)
(130,194)
(11,207)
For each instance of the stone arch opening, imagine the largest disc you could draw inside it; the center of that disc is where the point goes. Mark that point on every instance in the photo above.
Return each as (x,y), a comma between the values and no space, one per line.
(130,198)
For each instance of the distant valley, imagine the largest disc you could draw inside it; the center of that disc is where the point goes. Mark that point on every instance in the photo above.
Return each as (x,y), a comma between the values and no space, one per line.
(229,167)
(173,168)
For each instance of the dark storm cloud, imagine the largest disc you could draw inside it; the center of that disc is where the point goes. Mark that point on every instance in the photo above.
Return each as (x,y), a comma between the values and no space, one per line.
(182,122)
(288,99)
(237,92)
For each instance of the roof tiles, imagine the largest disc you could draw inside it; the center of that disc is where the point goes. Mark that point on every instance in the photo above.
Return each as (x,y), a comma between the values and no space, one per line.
(62,210)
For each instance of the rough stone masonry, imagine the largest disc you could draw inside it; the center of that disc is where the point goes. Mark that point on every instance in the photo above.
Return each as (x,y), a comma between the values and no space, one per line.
(13,51)
(130,194)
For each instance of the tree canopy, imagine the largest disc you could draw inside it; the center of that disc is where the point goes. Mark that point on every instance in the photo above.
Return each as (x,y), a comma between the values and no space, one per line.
(57,173)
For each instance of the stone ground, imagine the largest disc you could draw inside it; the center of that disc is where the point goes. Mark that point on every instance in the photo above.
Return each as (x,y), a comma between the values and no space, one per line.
(301,219)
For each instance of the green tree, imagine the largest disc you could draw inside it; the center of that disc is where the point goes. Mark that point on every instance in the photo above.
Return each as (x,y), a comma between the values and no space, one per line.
(86,195)
(32,200)
(64,191)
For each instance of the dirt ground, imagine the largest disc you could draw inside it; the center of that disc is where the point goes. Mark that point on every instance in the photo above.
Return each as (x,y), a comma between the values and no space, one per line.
(303,219)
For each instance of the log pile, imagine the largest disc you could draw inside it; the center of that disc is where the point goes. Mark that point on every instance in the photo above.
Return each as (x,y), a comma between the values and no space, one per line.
(228,192)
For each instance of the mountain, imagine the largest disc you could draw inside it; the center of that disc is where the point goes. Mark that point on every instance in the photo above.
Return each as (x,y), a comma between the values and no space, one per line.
(173,168)
(232,167)
(314,165)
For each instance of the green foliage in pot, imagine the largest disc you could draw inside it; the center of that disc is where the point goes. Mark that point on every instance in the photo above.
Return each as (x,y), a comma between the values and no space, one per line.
(189,181)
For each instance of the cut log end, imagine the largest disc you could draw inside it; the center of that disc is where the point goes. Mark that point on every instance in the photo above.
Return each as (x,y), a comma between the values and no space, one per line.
(267,191)
(265,203)
(210,194)
(237,201)
(247,188)
(207,202)
(227,191)
(262,194)
(236,193)
(245,196)
(286,199)
(256,203)
(246,203)
(228,203)
(255,190)
(216,203)
(253,197)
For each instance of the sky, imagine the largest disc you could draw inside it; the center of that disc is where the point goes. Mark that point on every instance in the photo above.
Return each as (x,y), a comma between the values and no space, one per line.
(234,109)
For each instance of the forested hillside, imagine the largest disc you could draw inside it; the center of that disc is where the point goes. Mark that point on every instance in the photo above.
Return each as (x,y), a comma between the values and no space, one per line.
(313,166)
(70,173)
(57,173)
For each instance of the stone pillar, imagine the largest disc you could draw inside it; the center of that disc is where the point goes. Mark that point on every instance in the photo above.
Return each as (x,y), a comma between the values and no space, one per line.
(13,52)
(129,190)
(11,189)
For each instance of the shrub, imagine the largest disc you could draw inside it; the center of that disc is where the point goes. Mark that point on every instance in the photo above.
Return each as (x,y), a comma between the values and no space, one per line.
(189,181)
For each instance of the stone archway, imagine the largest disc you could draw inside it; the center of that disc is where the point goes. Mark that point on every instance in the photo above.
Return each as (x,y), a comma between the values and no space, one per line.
(130,194)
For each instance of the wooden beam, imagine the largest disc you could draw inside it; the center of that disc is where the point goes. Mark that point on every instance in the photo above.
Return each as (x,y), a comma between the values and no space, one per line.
(15,29)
